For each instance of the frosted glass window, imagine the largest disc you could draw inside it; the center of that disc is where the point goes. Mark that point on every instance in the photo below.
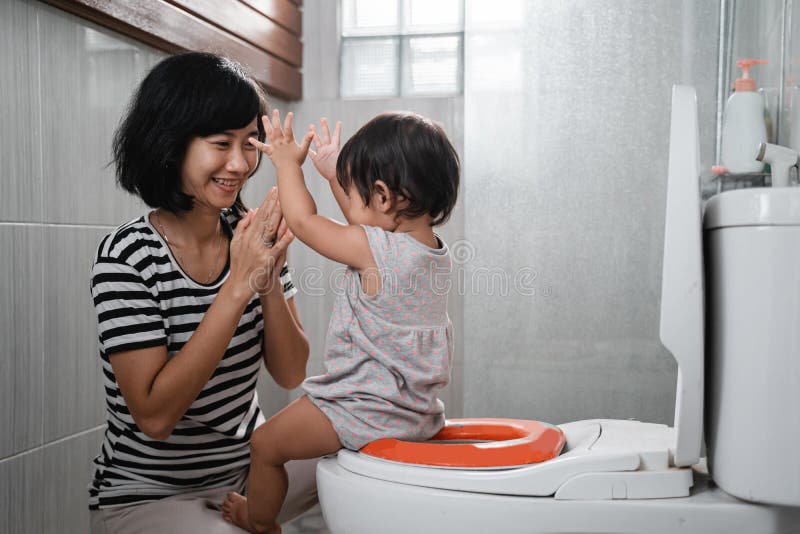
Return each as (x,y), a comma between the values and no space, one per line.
(369,67)
(370,17)
(401,47)
(432,66)
(427,16)
(496,14)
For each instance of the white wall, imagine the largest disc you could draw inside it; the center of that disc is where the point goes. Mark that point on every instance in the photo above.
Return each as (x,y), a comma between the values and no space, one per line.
(566,137)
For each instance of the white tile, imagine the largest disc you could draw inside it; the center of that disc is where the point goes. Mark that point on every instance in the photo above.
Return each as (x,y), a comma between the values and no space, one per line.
(21,500)
(88,76)
(67,473)
(21,345)
(271,397)
(21,197)
(320,50)
(73,395)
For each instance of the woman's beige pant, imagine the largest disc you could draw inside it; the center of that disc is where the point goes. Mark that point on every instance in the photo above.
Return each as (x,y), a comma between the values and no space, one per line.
(200,512)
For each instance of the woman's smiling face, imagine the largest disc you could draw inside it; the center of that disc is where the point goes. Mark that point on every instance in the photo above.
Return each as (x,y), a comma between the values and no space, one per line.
(216,166)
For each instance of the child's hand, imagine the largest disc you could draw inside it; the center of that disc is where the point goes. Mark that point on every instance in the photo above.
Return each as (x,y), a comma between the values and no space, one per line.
(327,149)
(282,148)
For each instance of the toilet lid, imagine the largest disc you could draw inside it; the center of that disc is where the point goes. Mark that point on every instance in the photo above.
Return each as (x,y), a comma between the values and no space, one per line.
(759,206)
(501,442)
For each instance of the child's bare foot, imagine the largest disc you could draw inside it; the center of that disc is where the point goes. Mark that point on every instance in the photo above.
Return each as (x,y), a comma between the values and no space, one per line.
(234,510)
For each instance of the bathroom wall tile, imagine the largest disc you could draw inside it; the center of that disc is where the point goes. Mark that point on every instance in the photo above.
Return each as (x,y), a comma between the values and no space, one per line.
(21,343)
(73,398)
(67,471)
(320,50)
(271,397)
(21,503)
(21,198)
(574,381)
(453,395)
(88,75)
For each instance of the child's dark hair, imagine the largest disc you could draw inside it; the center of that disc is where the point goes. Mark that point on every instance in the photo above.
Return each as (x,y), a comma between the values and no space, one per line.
(184,96)
(412,155)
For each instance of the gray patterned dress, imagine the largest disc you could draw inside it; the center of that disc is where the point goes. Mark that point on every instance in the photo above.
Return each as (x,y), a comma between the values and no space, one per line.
(388,355)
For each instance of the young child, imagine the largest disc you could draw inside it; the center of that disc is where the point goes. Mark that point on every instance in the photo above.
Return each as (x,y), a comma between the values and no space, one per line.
(390,342)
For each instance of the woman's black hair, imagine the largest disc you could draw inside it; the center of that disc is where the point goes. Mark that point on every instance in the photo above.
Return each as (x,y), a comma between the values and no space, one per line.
(184,96)
(412,155)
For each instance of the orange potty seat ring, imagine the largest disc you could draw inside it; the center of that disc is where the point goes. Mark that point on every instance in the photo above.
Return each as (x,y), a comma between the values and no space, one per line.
(498,443)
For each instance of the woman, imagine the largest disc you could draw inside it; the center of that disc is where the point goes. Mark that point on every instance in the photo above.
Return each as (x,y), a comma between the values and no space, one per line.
(190,298)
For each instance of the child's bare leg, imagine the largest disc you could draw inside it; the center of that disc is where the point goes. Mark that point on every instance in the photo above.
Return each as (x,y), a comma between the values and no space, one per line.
(299,431)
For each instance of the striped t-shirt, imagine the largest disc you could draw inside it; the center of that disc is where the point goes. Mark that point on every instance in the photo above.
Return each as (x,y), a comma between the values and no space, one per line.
(144,299)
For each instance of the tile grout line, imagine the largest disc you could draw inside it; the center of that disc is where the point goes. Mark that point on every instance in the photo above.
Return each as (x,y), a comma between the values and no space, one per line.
(58,225)
(48,444)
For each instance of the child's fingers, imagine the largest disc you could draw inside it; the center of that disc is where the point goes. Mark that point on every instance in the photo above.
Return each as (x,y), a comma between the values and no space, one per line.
(306,141)
(337,134)
(261,146)
(270,131)
(276,120)
(317,141)
(288,131)
(326,133)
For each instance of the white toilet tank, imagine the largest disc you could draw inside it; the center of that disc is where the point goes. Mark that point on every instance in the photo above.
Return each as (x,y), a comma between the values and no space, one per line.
(752,427)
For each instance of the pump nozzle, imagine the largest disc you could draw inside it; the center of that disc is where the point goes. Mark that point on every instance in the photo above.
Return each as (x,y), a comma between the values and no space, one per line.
(746,83)
(780,160)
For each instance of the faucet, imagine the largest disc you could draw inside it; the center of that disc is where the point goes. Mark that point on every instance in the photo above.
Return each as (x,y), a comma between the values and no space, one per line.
(780,159)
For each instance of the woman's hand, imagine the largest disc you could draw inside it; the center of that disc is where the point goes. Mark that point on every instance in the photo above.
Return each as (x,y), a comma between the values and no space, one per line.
(258,248)
(327,148)
(283,229)
(282,148)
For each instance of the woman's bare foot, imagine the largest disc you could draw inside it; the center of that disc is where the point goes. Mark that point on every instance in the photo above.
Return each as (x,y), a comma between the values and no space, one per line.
(234,510)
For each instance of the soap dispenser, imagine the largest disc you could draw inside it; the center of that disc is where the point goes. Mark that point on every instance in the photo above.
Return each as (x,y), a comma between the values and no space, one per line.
(743,128)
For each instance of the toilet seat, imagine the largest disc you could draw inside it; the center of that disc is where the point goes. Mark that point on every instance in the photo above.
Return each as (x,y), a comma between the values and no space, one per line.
(503,443)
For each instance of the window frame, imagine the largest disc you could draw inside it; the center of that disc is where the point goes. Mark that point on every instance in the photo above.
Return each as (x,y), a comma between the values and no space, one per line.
(402,36)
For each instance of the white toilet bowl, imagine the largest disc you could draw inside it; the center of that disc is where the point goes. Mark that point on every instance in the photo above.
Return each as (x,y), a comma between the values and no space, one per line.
(629,476)
(361,503)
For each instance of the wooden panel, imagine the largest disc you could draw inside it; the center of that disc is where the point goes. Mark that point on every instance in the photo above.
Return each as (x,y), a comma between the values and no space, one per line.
(169,28)
(284,12)
(240,19)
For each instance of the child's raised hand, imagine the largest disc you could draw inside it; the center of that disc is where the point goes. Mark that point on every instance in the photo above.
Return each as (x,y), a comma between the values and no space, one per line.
(327,148)
(282,148)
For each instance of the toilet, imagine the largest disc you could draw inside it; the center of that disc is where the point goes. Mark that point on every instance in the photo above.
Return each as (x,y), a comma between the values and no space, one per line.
(620,476)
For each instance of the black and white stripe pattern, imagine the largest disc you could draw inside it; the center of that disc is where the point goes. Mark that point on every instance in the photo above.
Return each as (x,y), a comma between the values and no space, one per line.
(143,299)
